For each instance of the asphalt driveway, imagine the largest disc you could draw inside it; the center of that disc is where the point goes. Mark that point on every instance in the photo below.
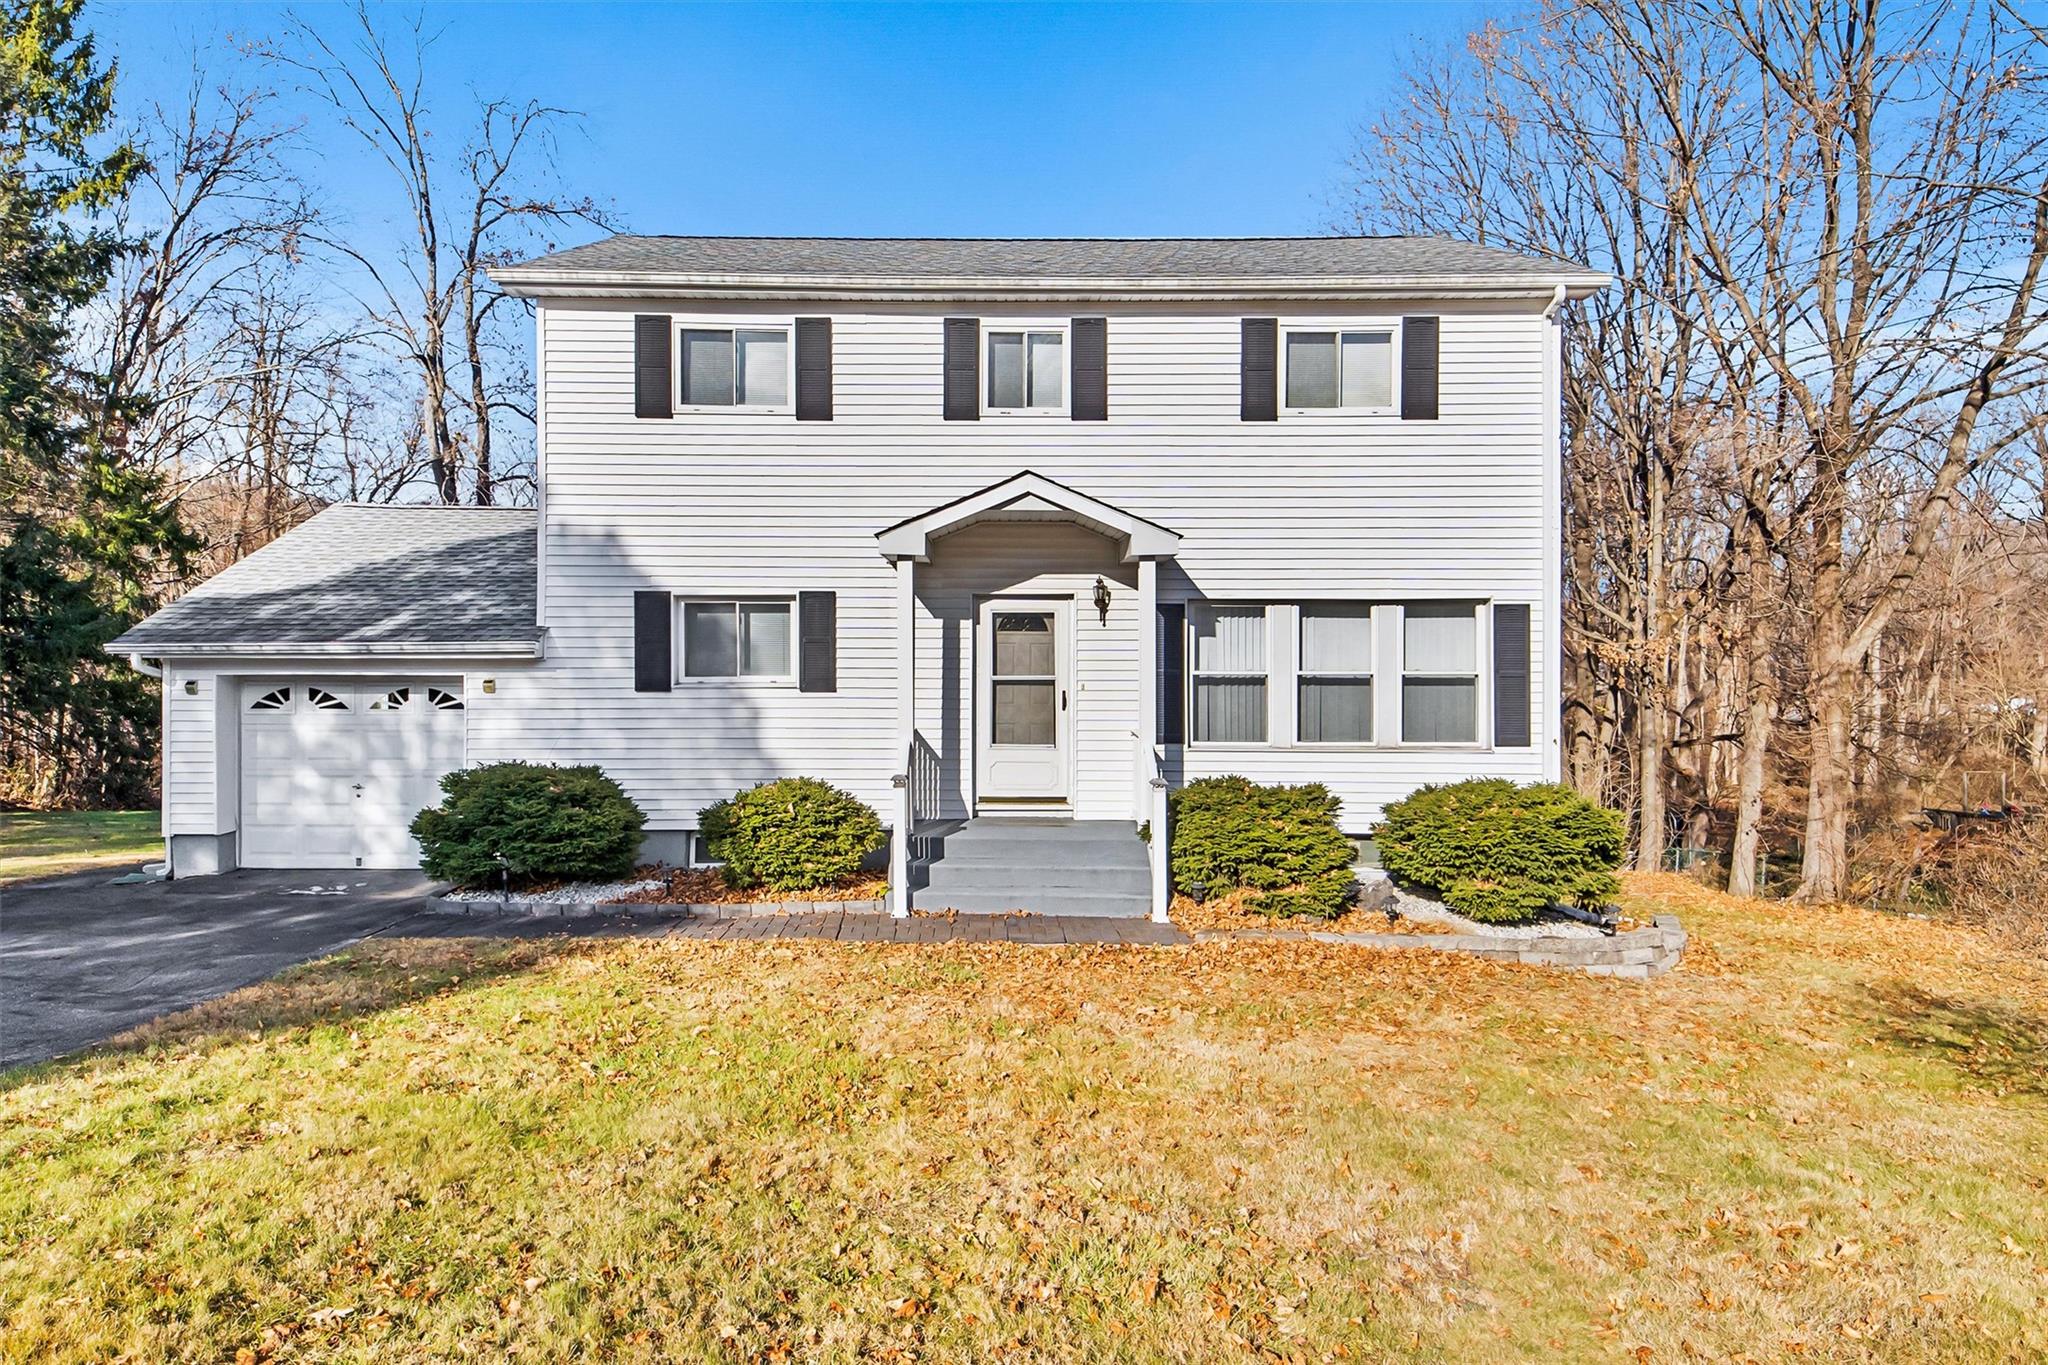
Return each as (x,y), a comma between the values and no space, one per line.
(82,959)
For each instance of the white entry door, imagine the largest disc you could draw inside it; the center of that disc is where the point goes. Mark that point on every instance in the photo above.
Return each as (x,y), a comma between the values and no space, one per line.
(333,770)
(1022,677)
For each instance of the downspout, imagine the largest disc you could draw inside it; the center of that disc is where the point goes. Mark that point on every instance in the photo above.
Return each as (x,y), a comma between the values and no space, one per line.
(135,662)
(1556,302)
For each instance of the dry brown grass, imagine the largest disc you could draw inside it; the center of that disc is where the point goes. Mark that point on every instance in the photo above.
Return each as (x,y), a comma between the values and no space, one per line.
(1232,910)
(1820,1138)
(708,886)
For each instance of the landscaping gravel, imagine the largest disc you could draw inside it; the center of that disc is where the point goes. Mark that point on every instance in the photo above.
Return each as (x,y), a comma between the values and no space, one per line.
(568,894)
(1549,924)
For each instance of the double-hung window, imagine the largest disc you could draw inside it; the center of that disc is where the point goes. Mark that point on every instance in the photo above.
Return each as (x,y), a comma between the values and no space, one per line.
(1334,679)
(1229,674)
(735,367)
(1027,371)
(737,639)
(1333,370)
(1440,673)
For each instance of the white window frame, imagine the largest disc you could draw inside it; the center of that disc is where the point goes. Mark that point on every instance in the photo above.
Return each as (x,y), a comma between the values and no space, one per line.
(1188,655)
(1482,690)
(1391,328)
(1372,675)
(990,330)
(786,326)
(679,633)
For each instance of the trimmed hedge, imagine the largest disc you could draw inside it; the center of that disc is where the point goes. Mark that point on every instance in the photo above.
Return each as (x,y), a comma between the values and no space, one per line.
(1283,842)
(790,835)
(1499,853)
(572,823)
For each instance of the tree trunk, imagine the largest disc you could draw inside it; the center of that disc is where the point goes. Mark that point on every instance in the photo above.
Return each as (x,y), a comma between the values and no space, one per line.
(1756,740)
(1650,782)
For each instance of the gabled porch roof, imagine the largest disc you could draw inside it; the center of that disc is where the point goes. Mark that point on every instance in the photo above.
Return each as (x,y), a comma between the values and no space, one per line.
(1026,496)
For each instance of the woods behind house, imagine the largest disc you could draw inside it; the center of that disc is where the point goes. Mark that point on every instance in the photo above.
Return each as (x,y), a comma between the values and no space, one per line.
(1806,432)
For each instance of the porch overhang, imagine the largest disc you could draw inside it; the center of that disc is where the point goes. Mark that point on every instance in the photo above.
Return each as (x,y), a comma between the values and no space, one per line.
(1029,497)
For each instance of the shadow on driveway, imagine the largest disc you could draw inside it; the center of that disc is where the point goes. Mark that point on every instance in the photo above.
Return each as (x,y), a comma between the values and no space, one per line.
(82,959)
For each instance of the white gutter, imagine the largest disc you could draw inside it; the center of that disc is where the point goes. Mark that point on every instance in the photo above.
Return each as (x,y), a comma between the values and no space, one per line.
(559,283)
(135,662)
(473,649)
(1556,302)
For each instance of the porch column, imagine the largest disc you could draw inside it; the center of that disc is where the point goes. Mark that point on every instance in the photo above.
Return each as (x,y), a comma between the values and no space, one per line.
(1149,798)
(906,732)
(1148,688)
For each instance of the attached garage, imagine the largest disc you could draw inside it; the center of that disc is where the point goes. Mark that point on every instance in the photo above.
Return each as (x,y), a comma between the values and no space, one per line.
(316,693)
(334,770)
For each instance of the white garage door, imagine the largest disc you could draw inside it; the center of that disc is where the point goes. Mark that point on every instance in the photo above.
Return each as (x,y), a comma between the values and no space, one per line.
(333,770)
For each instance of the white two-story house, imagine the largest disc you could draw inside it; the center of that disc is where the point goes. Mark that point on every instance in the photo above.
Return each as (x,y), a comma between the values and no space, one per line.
(986,532)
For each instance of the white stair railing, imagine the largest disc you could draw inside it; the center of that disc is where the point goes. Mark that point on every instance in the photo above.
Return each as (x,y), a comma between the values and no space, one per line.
(1152,795)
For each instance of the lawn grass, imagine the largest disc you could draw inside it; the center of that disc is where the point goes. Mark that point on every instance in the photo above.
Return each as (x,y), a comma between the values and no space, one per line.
(1825,1137)
(46,843)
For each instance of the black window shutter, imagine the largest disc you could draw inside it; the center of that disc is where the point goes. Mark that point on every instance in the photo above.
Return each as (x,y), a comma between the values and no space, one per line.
(653,648)
(1418,369)
(817,633)
(653,377)
(963,369)
(1173,689)
(1511,675)
(1091,370)
(814,369)
(1258,371)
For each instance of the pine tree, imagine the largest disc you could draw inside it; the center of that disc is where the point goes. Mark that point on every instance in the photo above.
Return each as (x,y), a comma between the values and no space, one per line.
(86,534)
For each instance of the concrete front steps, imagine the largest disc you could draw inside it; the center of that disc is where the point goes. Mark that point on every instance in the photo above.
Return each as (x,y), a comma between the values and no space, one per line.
(996,864)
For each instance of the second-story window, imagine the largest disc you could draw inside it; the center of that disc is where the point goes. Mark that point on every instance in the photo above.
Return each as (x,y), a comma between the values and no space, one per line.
(1027,371)
(735,367)
(1342,370)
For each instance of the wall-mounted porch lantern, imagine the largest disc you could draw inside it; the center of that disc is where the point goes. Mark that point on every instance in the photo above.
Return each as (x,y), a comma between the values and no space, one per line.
(1102,600)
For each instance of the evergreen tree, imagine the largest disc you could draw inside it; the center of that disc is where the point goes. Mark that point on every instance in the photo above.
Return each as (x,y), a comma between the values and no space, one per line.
(86,534)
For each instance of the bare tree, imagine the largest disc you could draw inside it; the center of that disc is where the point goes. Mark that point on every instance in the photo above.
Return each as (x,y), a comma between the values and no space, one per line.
(432,302)
(1829,223)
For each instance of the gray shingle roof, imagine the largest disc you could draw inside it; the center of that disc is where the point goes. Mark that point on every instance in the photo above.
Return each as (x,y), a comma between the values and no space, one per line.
(376,576)
(998,259)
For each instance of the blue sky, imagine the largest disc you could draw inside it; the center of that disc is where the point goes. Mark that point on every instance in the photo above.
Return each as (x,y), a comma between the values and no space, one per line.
(890,119)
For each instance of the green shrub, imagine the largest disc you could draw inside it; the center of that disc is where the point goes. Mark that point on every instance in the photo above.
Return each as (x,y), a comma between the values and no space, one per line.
(1229,832)
(1323,897)
(790,835)
(1500,853)
(547,822)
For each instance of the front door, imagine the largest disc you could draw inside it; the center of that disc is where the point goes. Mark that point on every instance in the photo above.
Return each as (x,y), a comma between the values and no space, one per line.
(1021,682)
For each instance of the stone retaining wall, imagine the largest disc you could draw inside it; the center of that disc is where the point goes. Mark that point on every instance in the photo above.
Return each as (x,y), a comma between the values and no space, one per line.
(1638,954)
(517,908)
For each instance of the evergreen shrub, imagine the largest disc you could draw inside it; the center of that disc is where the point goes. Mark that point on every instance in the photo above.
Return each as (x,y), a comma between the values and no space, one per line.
(791,834)
(1500,853)
(572,823)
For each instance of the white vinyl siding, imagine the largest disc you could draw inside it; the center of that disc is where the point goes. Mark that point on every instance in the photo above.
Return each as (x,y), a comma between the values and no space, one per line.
(1351,506)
